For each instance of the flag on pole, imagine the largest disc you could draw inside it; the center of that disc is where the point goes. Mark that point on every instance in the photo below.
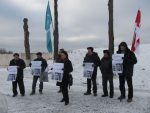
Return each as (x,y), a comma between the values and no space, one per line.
(48,21)
(136,37)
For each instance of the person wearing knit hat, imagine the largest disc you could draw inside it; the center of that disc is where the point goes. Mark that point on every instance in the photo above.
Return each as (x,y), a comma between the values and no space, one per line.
(107,74)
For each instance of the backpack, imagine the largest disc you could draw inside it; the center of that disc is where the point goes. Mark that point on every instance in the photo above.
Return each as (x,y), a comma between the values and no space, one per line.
(70,80)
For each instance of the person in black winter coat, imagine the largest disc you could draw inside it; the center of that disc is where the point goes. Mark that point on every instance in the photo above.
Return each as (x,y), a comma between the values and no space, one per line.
(35,78)
(65,80)
(107,74)
(128,65)
(92,57)
(19,79)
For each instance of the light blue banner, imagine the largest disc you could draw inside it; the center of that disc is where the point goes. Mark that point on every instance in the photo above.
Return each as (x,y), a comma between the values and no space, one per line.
(48,21)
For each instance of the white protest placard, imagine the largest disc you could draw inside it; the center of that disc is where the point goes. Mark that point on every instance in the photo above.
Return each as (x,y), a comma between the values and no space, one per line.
(36,68)
(88,70)
(57,71)
(117,63)
(12,73)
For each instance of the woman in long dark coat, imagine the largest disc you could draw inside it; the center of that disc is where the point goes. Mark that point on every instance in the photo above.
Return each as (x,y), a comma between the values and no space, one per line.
(65,80)
(128,65)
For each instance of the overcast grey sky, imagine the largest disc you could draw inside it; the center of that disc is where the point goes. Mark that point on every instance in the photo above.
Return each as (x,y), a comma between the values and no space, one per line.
(82,23)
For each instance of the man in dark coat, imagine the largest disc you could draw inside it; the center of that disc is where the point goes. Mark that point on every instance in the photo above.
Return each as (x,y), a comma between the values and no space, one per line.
(35,78)
(92,57)
(128,65)
(65,80)
(107,73)
(19,79)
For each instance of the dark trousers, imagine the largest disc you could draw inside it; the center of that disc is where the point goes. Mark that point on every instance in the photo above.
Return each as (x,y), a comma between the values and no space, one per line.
(93,80)
(65,92)
(21,86)
(130,87)
(35,78)
(122,85)
(111,85)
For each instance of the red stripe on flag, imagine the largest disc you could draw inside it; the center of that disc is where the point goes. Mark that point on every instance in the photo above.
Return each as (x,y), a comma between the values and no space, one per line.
(138,18)
(136,37)
(133,43)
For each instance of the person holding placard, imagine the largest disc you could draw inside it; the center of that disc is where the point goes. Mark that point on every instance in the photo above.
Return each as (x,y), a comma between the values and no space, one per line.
(92,57)
(65,80)
(35,78)
(19,78)
(107,74)
(128,65)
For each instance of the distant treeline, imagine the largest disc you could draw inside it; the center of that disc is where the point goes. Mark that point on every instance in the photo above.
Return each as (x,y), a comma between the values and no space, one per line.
(4,51)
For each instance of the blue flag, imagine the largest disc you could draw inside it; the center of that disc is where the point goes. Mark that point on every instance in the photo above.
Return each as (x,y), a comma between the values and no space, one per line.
(48,21)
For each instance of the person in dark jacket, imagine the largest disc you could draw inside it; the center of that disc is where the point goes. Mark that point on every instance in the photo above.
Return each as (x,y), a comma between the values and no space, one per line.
(128,65)
(65,80)
(58,60)
(107,74)
(92,57)
(35,78)
(19,79)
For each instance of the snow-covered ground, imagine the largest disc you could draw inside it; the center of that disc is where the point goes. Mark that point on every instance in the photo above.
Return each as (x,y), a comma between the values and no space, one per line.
(49,101)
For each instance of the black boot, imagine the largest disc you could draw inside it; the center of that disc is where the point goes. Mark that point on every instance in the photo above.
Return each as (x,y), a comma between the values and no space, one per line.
(66,103)
(129,100)
(87,93)
(14,95)
(32,93)
(104,95)
(62,100)
(121,97)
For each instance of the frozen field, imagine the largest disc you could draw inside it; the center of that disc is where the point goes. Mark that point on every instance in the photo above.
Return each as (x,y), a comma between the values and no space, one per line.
(49,101)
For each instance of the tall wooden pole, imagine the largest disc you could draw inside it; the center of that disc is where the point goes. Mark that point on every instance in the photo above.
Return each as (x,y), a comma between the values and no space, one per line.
(26,41)
(110,24)
(56,32)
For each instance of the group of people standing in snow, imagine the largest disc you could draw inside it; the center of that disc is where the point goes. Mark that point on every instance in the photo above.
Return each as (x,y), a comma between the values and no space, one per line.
(105,65)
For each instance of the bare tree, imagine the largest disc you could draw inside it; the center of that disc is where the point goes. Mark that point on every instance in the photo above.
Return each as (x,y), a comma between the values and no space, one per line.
(110,24)
(56,32)
(26,40)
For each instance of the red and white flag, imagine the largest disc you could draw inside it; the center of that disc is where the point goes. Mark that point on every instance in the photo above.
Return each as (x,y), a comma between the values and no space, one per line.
(136,37)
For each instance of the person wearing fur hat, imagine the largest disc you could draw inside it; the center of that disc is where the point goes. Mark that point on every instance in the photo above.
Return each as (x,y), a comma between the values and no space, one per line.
(65,80)
(107,74)
(128,65)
